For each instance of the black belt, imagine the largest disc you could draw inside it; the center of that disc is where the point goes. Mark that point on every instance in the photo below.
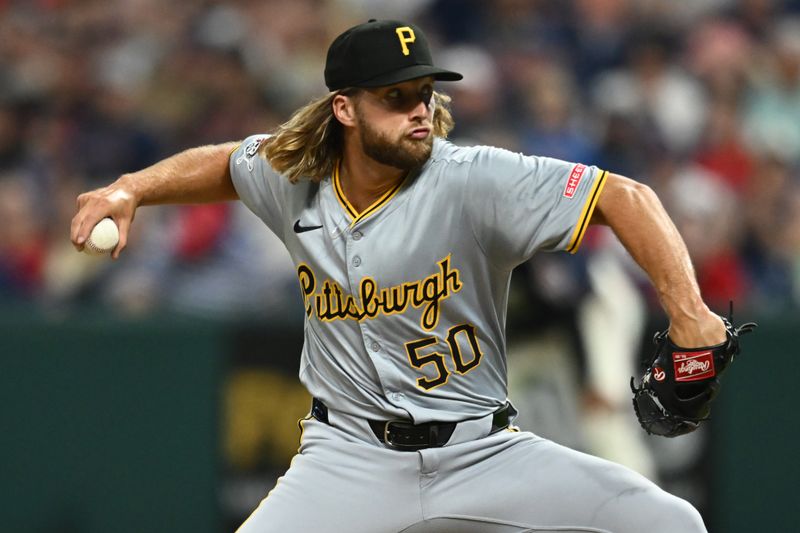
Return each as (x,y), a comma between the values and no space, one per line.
(405,436)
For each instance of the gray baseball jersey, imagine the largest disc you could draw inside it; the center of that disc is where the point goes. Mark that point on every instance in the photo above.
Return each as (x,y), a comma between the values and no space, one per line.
(406,301)
(405,306)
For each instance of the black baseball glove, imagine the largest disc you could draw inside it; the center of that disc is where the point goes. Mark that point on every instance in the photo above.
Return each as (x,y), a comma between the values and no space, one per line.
(679,384)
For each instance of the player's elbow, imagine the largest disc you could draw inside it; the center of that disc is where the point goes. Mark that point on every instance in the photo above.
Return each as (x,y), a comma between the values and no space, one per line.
(623,199)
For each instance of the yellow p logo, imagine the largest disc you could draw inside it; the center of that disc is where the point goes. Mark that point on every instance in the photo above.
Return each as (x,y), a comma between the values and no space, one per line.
(406,36)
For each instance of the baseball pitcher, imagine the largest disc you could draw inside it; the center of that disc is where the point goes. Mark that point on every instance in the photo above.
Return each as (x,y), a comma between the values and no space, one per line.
(404,246)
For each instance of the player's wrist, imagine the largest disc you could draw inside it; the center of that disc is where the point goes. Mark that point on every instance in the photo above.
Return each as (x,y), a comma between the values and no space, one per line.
(129,190)
(683,306)
(702,328)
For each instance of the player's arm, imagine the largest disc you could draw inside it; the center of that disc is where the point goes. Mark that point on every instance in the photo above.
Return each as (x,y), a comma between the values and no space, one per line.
(196,175)
(635,214)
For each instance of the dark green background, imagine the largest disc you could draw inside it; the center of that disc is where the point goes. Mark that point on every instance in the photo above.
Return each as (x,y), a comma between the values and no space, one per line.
(111,425)
(756,435)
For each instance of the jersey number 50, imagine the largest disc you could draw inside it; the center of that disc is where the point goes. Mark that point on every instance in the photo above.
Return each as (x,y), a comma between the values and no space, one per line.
(418,360)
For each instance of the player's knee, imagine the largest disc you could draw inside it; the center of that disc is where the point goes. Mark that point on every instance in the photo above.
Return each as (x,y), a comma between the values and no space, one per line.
(678,515)
(694,522)
(653,510)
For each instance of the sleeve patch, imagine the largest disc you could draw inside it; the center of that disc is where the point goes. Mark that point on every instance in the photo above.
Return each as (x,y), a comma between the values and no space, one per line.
(574,180)
(250,152)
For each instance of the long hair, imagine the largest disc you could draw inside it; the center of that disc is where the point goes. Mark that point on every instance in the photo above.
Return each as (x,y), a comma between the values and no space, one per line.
(310,142)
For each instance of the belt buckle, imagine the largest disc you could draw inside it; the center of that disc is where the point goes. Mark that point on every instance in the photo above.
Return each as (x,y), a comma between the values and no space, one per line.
(400,445)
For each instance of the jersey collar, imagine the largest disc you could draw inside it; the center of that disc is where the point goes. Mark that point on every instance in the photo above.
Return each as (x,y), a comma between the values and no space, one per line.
(354,215)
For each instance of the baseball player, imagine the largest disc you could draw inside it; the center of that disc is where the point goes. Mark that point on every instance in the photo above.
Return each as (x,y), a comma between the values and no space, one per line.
(404,245)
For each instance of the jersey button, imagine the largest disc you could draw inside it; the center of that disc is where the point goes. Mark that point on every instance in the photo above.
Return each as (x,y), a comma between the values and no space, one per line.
(397,396)
(357,235)
(375,347)
(356,261)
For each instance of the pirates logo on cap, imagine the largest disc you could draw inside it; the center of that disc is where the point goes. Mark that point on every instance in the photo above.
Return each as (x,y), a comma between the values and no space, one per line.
(406,36)
(367,55)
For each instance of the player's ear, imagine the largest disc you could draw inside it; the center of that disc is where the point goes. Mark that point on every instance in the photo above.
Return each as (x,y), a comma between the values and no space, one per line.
(344,109)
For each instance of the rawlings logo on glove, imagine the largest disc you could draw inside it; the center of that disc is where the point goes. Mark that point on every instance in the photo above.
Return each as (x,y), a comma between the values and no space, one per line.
(679,384)
(693,365)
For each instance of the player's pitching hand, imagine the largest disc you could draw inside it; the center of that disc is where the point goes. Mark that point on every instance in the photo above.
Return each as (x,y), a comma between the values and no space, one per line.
(114,201)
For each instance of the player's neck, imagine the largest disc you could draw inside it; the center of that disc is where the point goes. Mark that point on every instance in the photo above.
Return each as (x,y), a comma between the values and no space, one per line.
(364,180)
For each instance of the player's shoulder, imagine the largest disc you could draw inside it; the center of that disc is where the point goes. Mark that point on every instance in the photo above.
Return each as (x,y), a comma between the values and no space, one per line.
(247,150)
(253,174)
(478,157)
(446,152)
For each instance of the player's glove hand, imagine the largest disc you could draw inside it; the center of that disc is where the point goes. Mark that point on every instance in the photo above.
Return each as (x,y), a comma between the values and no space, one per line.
(677,388)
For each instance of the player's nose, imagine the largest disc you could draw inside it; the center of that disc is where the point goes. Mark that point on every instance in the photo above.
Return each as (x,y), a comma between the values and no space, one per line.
(421,110)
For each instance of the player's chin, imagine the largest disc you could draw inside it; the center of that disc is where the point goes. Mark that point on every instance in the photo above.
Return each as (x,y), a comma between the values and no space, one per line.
(418,150)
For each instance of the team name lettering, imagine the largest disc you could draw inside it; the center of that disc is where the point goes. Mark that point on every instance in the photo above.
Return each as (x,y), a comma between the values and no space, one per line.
(574,180)
(333,303)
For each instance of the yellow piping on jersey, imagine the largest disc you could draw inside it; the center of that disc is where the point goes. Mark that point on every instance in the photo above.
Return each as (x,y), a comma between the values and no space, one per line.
(348,207)
(586,214)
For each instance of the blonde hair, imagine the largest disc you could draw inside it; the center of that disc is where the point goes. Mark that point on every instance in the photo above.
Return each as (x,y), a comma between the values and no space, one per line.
(310,142)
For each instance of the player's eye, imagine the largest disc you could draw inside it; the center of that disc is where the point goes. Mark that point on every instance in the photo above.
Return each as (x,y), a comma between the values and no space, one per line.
(396,99)
(403,100)
(426,94)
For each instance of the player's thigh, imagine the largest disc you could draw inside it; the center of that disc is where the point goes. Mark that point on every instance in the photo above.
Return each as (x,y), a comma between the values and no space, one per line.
(524,479)
(338,485)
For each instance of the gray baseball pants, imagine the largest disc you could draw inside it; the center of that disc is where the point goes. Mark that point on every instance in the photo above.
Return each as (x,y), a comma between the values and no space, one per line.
(344,480)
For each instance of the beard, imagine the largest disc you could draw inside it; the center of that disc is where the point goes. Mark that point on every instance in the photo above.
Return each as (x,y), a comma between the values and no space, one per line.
(402,153)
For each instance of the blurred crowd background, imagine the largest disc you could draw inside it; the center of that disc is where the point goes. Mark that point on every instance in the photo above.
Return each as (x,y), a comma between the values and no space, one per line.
(700,100)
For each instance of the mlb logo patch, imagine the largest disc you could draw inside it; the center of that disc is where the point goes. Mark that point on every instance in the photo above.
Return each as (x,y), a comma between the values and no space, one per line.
(574,180)
(693,366)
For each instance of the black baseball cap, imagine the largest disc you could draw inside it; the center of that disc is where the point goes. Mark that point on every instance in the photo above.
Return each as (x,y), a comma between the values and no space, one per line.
(381,52)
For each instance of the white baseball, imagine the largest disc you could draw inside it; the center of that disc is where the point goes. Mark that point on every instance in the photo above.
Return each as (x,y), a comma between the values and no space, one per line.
(103,238)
